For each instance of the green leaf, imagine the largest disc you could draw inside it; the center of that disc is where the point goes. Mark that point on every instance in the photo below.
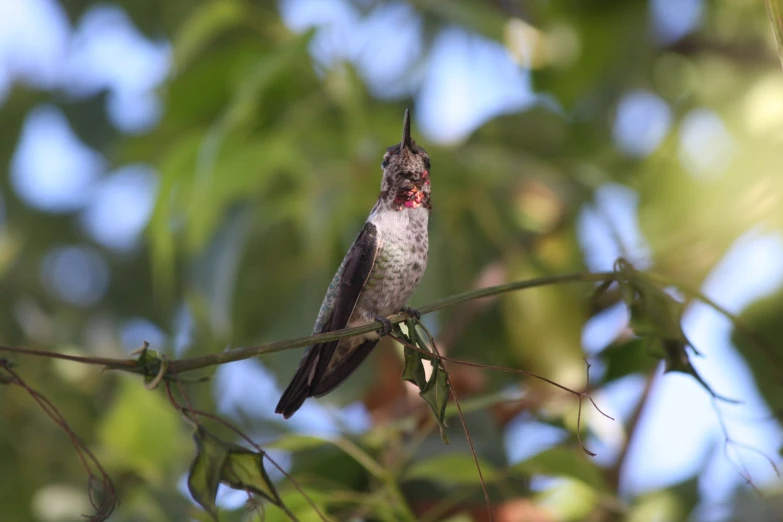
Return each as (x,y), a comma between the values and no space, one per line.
(626,358)
(755,334)
(244,469)
(677,360)
(206,470)
(563,462)
(414,369)
(653,311)
(237,467)
(656,315)
(435,392)
(452,468)
(413,335)
(436,395)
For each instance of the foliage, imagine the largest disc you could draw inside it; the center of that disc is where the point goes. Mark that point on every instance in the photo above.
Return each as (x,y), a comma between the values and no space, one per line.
(267,164)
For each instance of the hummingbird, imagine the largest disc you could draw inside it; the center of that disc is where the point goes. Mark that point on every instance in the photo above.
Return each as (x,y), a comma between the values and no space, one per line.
(375,279)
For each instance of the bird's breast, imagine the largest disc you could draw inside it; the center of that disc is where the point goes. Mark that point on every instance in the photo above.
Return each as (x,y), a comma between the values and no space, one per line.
(400,263)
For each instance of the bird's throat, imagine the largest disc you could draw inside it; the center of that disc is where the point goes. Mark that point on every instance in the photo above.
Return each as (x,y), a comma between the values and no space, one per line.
(411,198)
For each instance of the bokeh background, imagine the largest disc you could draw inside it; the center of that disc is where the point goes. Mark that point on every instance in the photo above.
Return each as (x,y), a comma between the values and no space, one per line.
(191,174)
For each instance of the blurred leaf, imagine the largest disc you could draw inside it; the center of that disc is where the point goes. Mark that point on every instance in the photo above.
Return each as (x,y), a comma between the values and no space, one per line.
(564,462)
(591,81)
(206,470)
(295,442)
(761,350)
(225,148)
(299,505)
(687,493)
(626,358)
(451,468)
(677,360)
(659,505)
(331,463)
(141,432)
(480,17)
(11,244)
(481,402)
(205,23)
(657,316)
(654,312)
(775,12)
(217,269)
(747,504)
(176,166)
(244,469)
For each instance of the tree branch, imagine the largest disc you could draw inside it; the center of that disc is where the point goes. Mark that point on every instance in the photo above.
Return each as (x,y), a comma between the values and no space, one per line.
(178,366)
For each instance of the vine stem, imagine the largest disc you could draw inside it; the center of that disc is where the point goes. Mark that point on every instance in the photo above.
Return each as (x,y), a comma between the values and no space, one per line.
(464,424)
(178,366)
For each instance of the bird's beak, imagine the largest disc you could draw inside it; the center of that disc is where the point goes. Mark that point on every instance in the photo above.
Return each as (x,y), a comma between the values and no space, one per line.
(406,143)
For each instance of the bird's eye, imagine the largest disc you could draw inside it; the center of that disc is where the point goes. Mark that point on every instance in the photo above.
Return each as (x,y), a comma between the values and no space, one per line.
(427,163)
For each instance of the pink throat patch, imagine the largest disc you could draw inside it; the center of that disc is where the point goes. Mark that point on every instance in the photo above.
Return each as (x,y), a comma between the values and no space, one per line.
(413,198)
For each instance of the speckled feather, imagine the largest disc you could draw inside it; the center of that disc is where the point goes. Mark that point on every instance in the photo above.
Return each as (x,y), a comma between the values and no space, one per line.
(377,276)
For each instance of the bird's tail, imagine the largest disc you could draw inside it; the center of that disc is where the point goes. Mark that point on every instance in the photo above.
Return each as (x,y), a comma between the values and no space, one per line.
(301,386)
(312,378)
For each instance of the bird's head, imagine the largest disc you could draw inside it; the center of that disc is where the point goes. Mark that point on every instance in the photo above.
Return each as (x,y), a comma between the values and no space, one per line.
(406,171)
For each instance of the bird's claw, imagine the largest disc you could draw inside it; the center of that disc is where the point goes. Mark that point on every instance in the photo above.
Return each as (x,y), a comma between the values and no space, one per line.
(415,314)
(387,326)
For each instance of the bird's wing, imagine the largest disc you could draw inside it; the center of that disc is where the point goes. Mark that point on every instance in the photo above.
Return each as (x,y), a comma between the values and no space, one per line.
(336,311)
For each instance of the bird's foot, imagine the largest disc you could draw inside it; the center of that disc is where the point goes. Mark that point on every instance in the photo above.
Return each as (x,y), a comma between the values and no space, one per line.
(415,314)
(387,326)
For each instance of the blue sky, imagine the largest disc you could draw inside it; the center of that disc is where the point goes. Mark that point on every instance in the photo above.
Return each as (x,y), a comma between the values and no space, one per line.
(464,81)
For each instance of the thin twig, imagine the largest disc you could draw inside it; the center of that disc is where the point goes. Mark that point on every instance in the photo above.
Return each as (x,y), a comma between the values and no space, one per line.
(579,411)
(254,505)
(579,395)
(431,340)
(739,466)
(105,506)
(501,369)
(120,364)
